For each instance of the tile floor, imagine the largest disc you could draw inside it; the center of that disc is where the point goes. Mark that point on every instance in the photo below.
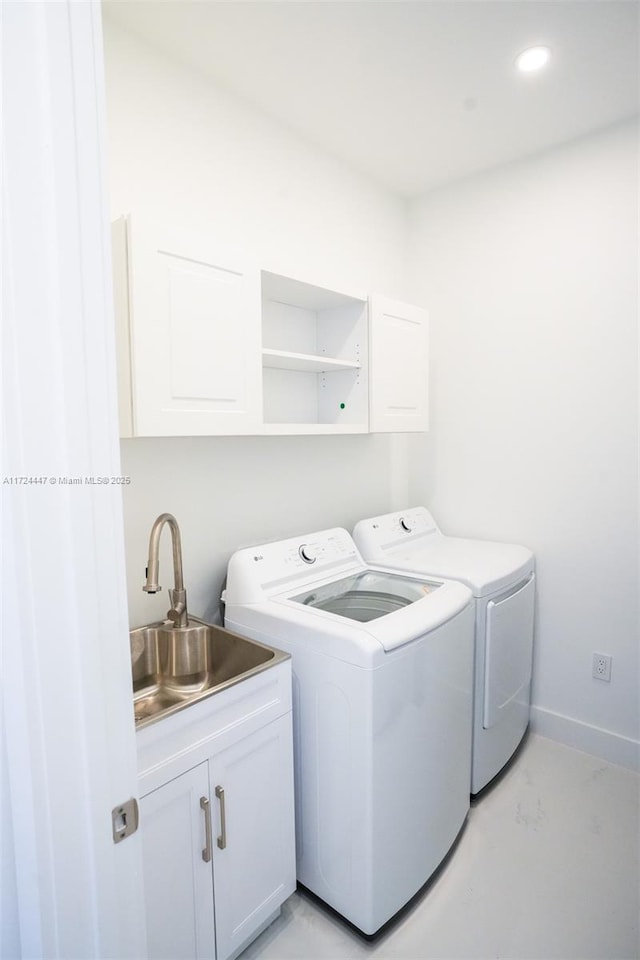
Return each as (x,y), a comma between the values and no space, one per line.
(546,867)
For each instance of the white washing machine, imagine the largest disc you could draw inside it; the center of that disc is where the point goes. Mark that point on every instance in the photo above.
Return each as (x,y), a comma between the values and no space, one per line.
(382,682)
(502,579)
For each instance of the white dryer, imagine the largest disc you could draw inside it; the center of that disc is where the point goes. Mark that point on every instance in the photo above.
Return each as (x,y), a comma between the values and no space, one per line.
(502,579)
(382,682)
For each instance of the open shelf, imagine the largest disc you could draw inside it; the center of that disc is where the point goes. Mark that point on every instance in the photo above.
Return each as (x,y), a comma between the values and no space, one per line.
(314,358)
(309,363)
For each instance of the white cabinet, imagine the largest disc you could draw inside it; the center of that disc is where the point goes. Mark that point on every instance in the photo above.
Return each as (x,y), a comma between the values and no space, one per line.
(189,335)
(178,883)
(398,366)
(314,358)
(209,345)
(252,862)
(217,819)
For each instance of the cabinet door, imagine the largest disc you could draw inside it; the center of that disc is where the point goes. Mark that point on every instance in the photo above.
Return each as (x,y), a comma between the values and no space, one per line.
(178,882)
(254,846)
(399,367)
(194,334)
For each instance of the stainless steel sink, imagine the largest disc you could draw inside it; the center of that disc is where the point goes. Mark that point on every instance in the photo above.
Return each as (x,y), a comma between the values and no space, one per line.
(175,666)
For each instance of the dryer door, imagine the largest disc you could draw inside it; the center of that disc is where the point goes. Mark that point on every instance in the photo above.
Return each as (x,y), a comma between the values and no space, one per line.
(508,652)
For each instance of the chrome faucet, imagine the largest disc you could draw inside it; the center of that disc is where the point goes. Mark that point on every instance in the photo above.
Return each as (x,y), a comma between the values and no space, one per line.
(177,596)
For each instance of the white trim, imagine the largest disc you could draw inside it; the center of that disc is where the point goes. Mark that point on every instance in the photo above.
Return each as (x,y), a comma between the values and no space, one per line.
(610,746)
(66,680)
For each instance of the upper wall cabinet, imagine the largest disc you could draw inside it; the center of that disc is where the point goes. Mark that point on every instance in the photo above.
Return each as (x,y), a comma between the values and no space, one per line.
(211,346)
(189,324)
(314,358)
(399,364)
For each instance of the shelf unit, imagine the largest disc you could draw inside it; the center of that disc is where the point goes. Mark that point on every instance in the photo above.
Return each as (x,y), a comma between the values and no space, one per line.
(210,345)
(314,358)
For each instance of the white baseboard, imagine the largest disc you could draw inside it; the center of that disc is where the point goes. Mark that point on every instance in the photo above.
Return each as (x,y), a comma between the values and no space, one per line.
(573,733)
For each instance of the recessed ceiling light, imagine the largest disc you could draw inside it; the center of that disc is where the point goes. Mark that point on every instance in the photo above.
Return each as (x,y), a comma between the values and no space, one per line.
(533,59)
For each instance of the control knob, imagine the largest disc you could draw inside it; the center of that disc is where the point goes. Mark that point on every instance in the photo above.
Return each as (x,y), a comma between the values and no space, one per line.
(405,525)
(306,554)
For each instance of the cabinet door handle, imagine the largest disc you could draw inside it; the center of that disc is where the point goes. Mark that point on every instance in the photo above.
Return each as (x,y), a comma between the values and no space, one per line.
(222,839)
(206,806)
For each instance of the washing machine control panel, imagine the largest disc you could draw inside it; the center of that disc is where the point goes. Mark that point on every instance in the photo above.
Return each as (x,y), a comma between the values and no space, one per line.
(320,549)
(277,564)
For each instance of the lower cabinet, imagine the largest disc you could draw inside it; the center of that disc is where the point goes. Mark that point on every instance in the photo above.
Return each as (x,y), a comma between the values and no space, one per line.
(178,882)
(218,848)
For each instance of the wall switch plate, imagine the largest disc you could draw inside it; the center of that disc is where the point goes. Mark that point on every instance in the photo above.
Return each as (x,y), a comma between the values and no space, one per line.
(601,667)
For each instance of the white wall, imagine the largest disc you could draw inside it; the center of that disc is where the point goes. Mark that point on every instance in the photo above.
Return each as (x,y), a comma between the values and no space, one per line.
(182,147)
(531,277)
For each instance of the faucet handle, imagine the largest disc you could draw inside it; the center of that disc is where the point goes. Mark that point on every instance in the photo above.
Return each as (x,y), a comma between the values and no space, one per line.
(175,614)
(178,612)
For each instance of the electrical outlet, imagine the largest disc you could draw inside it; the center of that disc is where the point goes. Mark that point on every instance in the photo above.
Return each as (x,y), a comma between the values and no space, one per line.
(601,667)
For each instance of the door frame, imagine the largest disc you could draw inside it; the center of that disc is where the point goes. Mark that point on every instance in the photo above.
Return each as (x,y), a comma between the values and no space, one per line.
(66,679)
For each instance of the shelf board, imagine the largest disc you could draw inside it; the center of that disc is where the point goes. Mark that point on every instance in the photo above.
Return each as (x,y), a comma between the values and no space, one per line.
(292,429)
(309,296)
(306,362)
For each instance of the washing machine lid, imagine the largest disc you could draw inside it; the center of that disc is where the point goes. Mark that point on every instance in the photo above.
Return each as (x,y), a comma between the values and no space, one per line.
(411,541)
(318,586)
(484,566)
(367,595)
(371,608)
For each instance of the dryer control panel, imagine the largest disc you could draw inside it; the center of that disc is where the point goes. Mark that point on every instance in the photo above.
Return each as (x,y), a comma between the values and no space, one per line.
(379,534)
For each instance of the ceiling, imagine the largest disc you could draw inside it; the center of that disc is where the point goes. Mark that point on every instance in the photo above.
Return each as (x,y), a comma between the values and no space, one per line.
(411,93)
